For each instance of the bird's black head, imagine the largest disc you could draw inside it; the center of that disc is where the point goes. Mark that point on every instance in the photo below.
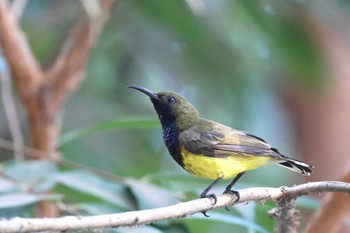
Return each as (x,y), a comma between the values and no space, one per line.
(172,107)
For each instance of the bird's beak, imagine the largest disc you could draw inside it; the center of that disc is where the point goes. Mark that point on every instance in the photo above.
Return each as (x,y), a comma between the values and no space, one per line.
(151,94)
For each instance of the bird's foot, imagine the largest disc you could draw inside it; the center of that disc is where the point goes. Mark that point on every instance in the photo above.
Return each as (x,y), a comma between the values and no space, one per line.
(211,196)
(232,192)
(205,214)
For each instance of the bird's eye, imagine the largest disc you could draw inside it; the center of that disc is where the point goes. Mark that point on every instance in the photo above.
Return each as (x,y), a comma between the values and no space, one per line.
(171,99)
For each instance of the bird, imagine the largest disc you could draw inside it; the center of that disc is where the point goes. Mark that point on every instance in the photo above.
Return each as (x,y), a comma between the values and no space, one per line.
(209,149)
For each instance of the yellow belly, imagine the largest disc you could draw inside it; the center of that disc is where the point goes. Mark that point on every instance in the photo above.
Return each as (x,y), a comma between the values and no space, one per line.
(228,167)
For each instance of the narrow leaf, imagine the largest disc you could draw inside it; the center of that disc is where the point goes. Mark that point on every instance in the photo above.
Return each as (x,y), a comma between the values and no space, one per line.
(108,125)
(149,196)
(229,219)
(91,184)
(15,200)
(30,171)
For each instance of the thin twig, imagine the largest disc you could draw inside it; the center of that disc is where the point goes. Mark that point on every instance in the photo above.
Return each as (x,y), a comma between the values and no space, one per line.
(74,165)
(11,114)
(92,8)
(135,218)
(34,153)
(29,151)
(23,187)
(17,8)
(68,69)
(286,215)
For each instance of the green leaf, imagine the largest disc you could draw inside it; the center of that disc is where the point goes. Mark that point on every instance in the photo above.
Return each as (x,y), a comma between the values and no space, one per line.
(7,186)
(108,125)
(262,218)
(91,184)
(154,228)
(14,204)
(288,37)
(149,196)
(20,199)
(143,229)
(205,46)
(176,181)
(171,227)
(229,219)
(30,171)
(185,183)
(96,209)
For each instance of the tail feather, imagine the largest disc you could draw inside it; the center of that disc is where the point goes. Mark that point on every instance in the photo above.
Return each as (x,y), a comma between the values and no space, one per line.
(297,166)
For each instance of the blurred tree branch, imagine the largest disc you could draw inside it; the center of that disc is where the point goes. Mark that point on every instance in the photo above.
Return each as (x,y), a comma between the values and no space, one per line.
(44,92)
(321,115)
(331,216)
(136,218)
(25,69)
(286,215)
(11,114)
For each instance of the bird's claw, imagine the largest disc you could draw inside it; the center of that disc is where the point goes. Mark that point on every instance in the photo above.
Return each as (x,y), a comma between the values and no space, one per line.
(233,192)
(211,196)
(205,214)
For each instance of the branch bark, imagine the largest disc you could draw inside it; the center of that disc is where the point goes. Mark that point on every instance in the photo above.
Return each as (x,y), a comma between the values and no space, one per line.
(135,218)
(286,215)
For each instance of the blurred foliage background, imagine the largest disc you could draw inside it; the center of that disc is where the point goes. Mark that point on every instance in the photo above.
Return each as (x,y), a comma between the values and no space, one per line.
(237,61)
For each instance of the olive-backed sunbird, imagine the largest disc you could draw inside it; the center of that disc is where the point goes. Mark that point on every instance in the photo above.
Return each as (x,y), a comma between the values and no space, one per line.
(212,150)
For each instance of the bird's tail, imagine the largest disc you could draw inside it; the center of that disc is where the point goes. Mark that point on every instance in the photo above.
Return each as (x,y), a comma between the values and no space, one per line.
(297,166)
(293,164)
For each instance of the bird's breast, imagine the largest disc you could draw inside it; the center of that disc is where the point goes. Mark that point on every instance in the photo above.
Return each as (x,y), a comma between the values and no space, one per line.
(226,167)
(171,140)
(171,137)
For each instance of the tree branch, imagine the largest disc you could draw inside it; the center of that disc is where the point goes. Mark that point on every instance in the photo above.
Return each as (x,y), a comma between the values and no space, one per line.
(286,215)
(11,114)
(26,71)
(17,8)
(331,216)
(26,150)
(135,218)
(44,92)
(68,70)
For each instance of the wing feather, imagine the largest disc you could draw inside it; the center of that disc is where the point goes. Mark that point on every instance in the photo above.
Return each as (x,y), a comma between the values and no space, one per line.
(217,140)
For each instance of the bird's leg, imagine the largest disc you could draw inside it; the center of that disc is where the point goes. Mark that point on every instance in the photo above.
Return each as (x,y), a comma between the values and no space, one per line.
(228,188)
(205,194)
(233,192)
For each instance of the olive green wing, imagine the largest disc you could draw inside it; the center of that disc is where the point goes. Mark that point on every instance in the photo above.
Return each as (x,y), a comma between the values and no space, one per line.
(217,140)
